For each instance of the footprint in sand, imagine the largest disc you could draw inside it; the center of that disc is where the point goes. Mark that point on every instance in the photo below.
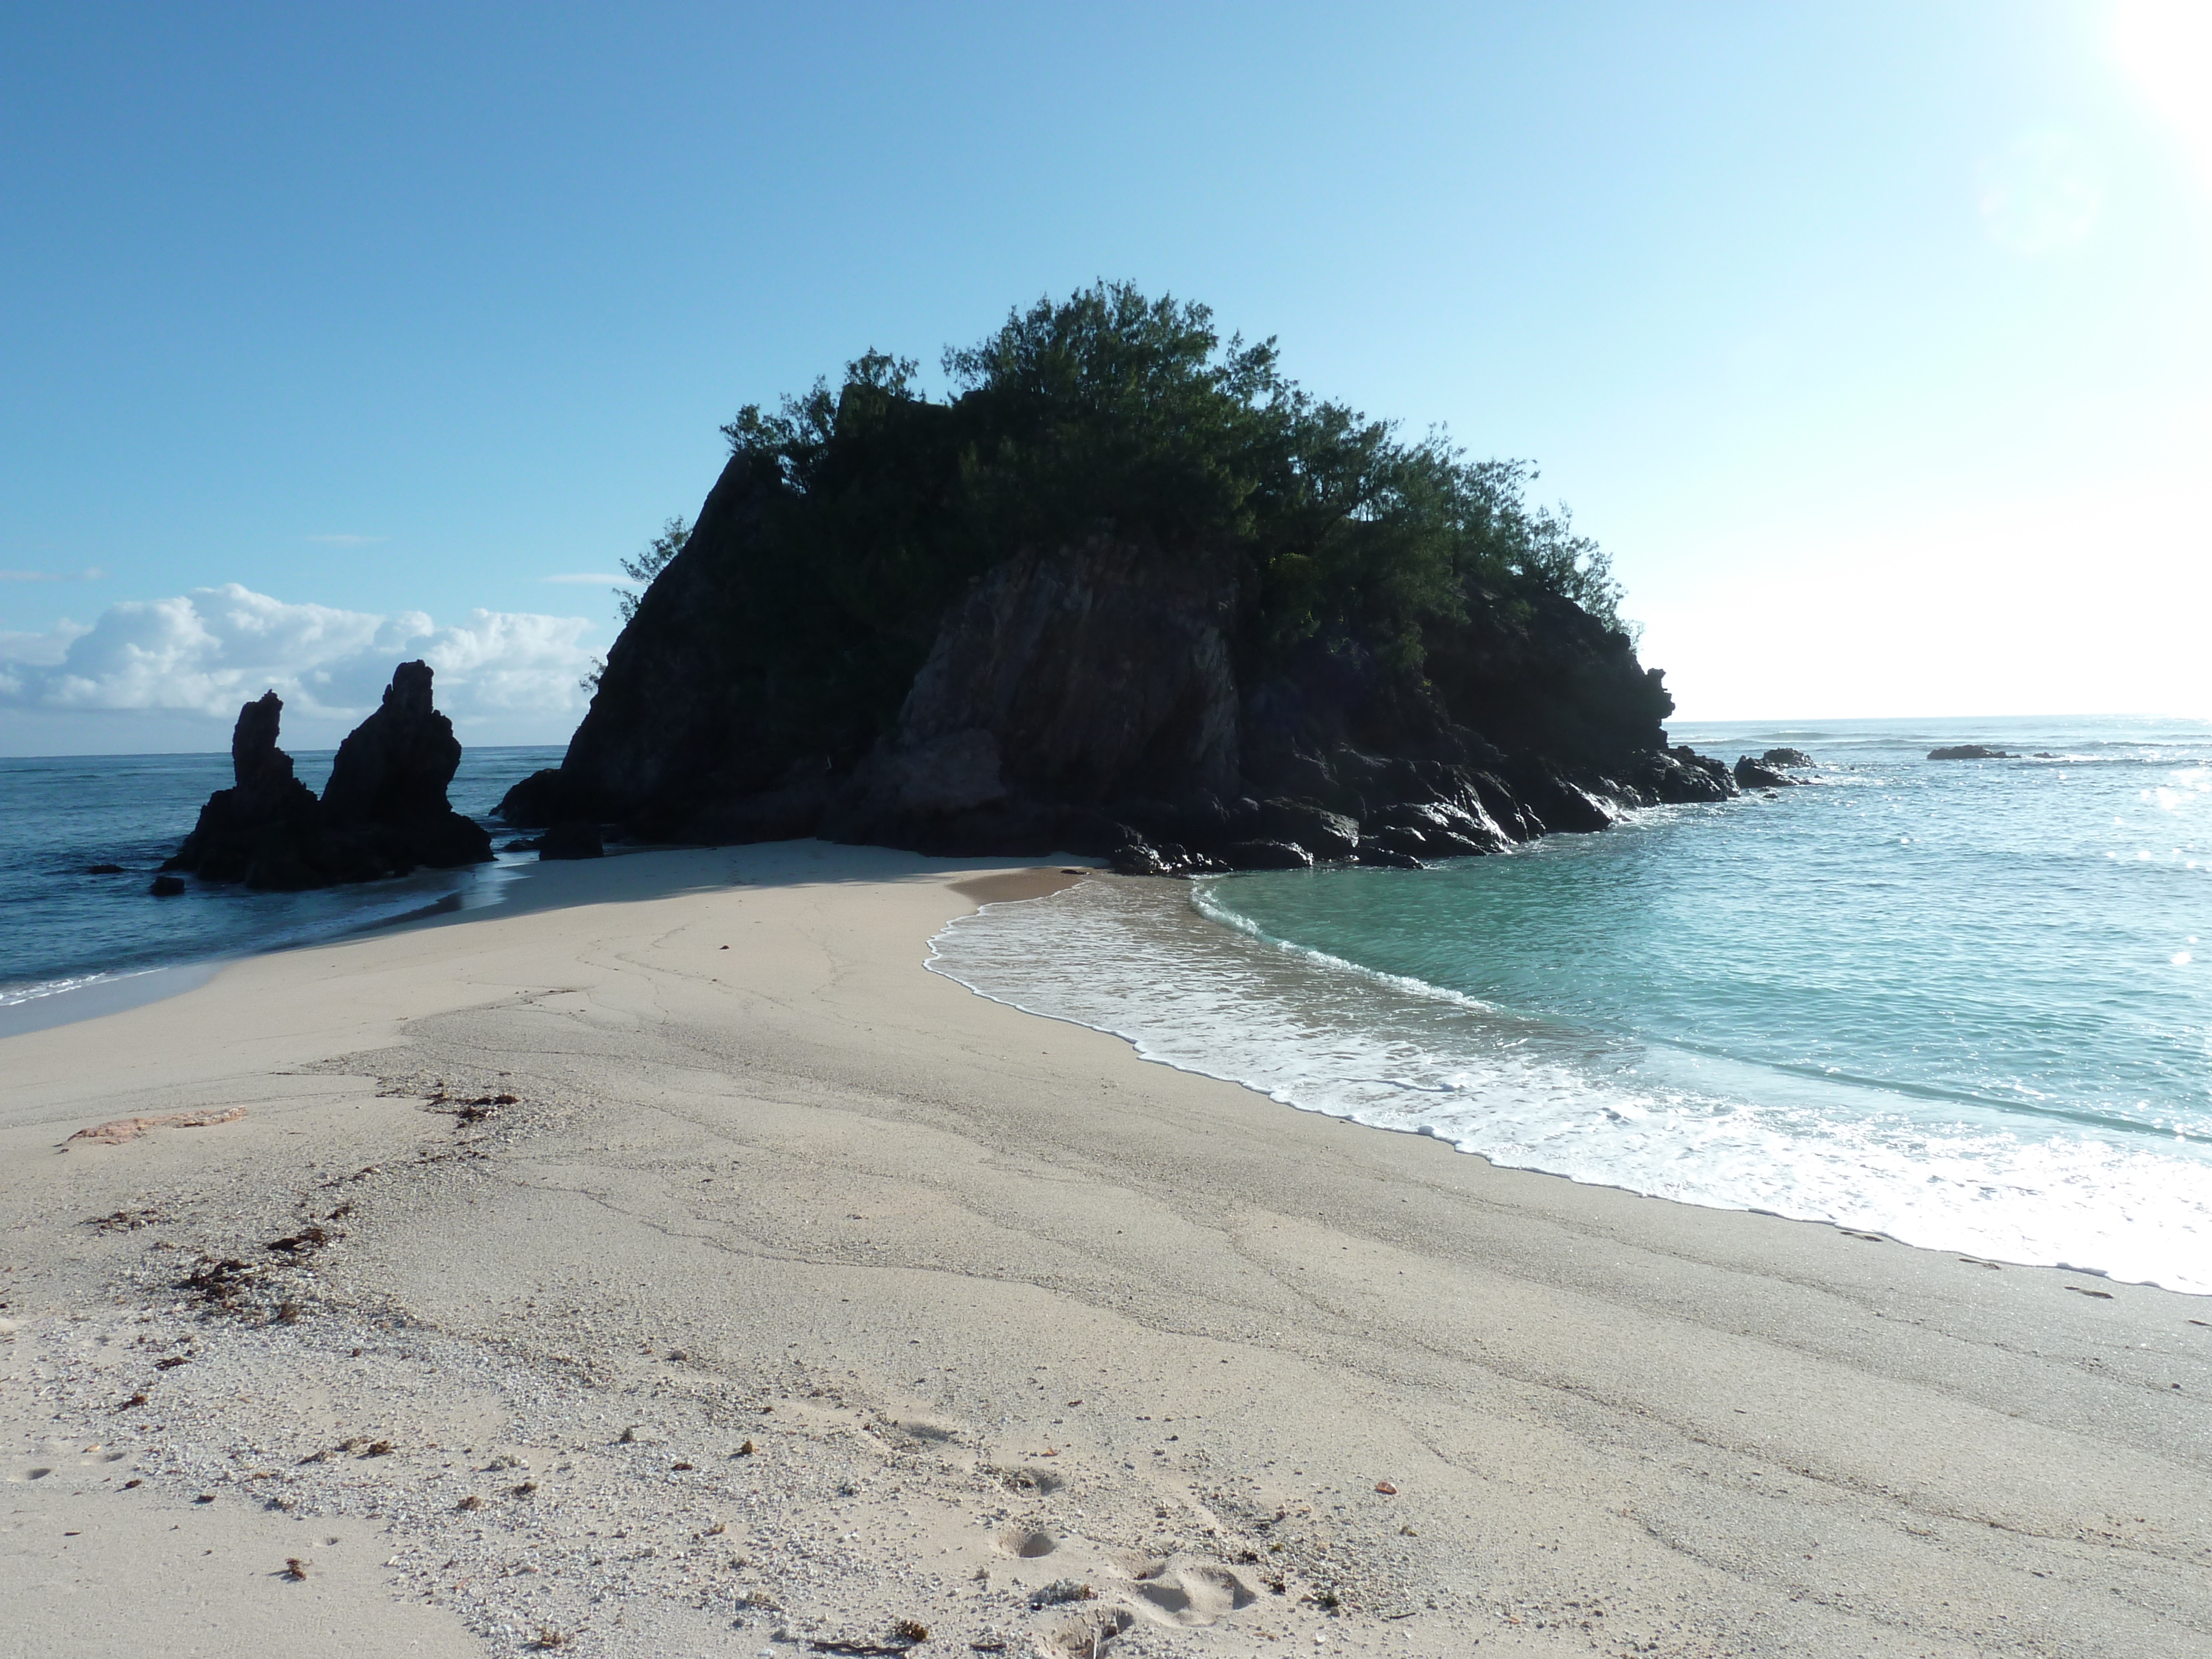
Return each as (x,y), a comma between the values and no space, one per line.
(1194,1594)
(1026,1542)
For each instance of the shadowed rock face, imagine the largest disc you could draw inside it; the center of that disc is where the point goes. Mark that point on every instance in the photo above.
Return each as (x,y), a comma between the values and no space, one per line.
(388,785)
(266,829)
(1096,697)
(384,813)
(1099,672)
(1078,678)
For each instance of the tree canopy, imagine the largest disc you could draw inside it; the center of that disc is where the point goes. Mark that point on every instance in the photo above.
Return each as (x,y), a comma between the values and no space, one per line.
(1112,411)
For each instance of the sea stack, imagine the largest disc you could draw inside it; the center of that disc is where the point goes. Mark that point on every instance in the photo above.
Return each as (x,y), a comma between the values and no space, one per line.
(387,787)
(384,813)
(266,829)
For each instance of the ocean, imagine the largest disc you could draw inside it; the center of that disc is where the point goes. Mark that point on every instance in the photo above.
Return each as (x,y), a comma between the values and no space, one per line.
(88,940)
(1968,1005)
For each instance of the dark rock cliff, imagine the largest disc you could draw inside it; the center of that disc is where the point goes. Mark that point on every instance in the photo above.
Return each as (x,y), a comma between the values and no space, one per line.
(384,813)
(1064,684)
(1102,696)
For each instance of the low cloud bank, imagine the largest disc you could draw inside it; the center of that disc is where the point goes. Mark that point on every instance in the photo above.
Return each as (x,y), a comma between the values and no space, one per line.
(167,666)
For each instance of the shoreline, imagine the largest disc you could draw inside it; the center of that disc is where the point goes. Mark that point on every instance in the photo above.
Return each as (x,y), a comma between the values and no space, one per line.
(1016,1301)
(100,994)
(1319,1033)
(93,995)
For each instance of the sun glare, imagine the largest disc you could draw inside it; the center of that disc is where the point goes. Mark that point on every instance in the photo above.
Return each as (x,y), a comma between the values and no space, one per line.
(2166,46)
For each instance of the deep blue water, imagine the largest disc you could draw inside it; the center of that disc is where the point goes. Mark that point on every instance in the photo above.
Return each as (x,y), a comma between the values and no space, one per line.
(60,926)
(1965,1003)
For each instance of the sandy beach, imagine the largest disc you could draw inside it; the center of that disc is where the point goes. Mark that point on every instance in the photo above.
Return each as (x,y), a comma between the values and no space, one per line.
(667,1262)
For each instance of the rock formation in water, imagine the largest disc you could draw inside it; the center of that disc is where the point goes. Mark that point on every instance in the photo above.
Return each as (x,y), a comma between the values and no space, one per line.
(387,787)
(384,813)
(1968,751)
(266,829)
(1772,770)
(1129,593)
(1088,698)
(1755,774)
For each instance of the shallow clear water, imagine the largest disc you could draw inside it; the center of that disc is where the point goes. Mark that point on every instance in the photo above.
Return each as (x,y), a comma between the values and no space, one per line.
(60,927)
(1963,1003)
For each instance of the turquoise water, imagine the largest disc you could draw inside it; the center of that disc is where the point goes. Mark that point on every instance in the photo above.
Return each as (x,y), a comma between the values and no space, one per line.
(1963,1003)
(62,926)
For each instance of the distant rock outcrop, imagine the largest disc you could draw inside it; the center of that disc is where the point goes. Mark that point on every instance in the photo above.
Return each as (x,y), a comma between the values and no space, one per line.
(1968,751)
(384,813)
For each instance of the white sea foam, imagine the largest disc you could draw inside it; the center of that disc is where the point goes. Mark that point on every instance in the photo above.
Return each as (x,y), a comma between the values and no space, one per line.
(12,994)
(1140,960)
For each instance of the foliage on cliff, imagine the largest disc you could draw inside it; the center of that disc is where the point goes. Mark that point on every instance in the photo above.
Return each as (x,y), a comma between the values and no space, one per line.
(1110,412)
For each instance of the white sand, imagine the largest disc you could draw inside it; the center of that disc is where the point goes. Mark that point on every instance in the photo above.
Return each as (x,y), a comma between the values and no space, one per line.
(998,1306)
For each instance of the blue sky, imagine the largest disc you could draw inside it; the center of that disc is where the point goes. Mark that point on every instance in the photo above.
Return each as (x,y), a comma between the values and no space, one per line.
(1872,340)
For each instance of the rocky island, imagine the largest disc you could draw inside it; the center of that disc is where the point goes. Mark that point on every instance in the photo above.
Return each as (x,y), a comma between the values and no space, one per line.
(1127,591)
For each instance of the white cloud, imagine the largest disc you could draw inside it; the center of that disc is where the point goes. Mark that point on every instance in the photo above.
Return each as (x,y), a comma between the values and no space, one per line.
(205,653)
(90,573)
(43,650)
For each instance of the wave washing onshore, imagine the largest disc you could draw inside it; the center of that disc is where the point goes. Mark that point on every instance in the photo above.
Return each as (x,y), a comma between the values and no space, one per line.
(1964,1004)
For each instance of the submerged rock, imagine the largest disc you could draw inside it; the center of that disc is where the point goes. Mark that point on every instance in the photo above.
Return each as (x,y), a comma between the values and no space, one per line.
(1788,757)
(1751,774)
(1967,752)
